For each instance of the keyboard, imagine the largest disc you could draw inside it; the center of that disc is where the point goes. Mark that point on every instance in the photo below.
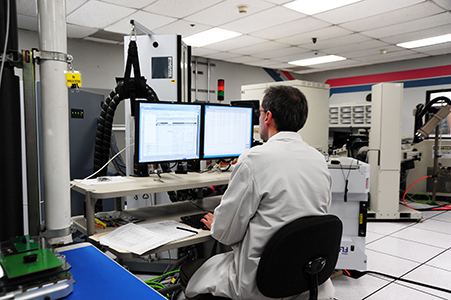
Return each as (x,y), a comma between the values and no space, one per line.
(194,220)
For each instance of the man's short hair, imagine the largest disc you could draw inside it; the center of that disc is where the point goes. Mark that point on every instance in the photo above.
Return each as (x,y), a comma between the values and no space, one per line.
(288,106)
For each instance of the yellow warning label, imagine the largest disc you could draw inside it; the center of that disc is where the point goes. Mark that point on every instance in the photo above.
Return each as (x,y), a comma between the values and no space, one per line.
(73,78)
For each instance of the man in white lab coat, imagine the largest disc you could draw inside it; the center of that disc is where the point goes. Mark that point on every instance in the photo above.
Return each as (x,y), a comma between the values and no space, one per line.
(271,185)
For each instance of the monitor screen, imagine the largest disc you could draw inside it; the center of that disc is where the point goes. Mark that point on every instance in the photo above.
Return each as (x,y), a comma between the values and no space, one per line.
(167,132)
(227,131)
(246,103)
(445,127)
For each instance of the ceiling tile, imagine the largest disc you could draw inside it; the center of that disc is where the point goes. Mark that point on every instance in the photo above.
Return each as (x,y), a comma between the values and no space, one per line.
(222,55)
(279,1)
(281,52)
(226,11)
(320,34)
(27,22)
(410,26)
(78,32)
(362,10)
(243,59)
(298,56)
(435,49)
(254,49)
(26,7)
(98,14)
(138,4)
(179,8)
(405,14)
(343,49)
(264,19)
(291,28)
(384,59)
(336,42)
(370,52)
(235,43)
(418,35)
(446,4)
(148,20)
(72,5)
(181,27)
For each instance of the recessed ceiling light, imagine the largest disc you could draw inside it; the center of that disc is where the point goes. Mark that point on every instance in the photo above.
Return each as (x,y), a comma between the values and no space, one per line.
(426,42)
(317,60)
(317,6)
(210,36)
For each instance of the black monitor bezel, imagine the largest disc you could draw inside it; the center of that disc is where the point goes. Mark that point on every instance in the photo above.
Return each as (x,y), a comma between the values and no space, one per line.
(136,135)
(223,157)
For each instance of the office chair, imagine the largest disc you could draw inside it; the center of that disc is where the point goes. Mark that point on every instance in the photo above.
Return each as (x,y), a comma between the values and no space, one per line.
(299,256)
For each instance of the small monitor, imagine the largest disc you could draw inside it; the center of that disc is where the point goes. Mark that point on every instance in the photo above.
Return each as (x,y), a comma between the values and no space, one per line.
(227,131)
(167,132)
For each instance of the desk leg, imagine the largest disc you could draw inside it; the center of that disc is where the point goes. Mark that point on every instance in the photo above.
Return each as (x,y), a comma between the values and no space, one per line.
(90,211)
(118,204)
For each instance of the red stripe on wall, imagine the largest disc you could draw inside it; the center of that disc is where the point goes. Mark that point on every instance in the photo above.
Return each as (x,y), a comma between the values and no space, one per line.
(393,76)
(288,75)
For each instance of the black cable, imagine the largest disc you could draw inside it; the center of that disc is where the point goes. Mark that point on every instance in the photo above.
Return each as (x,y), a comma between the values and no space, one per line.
(358,274)
(346,177)
(191,201)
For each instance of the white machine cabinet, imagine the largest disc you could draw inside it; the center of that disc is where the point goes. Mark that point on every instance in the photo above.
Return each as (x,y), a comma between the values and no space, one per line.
(350,187)
(316,130)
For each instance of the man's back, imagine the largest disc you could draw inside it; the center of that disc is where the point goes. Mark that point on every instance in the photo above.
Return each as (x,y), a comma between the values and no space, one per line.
(271,185)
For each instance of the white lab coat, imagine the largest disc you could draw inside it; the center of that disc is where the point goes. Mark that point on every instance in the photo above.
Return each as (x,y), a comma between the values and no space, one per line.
(271,185)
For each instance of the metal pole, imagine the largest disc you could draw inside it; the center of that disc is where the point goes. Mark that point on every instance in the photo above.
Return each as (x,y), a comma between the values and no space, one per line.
(55,122)
(208,80)
(195,92)
(435,171)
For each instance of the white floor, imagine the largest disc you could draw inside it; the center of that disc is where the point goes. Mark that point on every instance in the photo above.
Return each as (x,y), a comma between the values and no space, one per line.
(418,252)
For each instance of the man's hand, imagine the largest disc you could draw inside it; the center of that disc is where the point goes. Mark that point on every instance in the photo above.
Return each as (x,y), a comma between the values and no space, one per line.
(208,220)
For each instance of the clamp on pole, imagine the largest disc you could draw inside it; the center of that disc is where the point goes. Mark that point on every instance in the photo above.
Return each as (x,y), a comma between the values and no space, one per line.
(52,55)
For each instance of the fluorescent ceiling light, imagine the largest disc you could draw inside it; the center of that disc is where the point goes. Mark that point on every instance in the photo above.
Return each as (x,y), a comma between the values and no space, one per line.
(210,36)
(426,42)
(316,6)
(317,60)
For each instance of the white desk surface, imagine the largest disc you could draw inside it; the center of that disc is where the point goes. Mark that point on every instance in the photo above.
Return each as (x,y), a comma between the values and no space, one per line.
(143,185)
(157,213)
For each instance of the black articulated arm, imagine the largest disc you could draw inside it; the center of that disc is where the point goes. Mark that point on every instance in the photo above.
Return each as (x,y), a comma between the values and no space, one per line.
(421,110)
(127,88)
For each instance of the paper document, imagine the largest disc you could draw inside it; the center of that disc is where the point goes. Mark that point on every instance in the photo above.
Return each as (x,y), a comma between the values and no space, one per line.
(144,237)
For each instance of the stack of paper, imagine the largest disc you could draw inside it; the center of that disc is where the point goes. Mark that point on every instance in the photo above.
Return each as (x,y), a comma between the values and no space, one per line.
(142,238)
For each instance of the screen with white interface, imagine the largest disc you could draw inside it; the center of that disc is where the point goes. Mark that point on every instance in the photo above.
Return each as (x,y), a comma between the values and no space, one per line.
(168,132)
(227,131)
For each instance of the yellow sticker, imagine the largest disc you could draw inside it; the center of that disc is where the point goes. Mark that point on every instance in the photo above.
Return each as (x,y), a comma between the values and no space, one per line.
(73,78)
(172,80)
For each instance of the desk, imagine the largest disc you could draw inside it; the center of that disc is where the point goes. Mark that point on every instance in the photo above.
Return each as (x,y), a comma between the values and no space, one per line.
(97,276)
(157,213)
(143,185)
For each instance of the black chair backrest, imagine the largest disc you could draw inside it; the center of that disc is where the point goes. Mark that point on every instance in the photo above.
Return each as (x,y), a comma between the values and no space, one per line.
(281,271)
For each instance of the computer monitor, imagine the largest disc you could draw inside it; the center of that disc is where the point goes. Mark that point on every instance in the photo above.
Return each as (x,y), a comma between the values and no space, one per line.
(227,131)
(249,103)
(445,126)
(167,132)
